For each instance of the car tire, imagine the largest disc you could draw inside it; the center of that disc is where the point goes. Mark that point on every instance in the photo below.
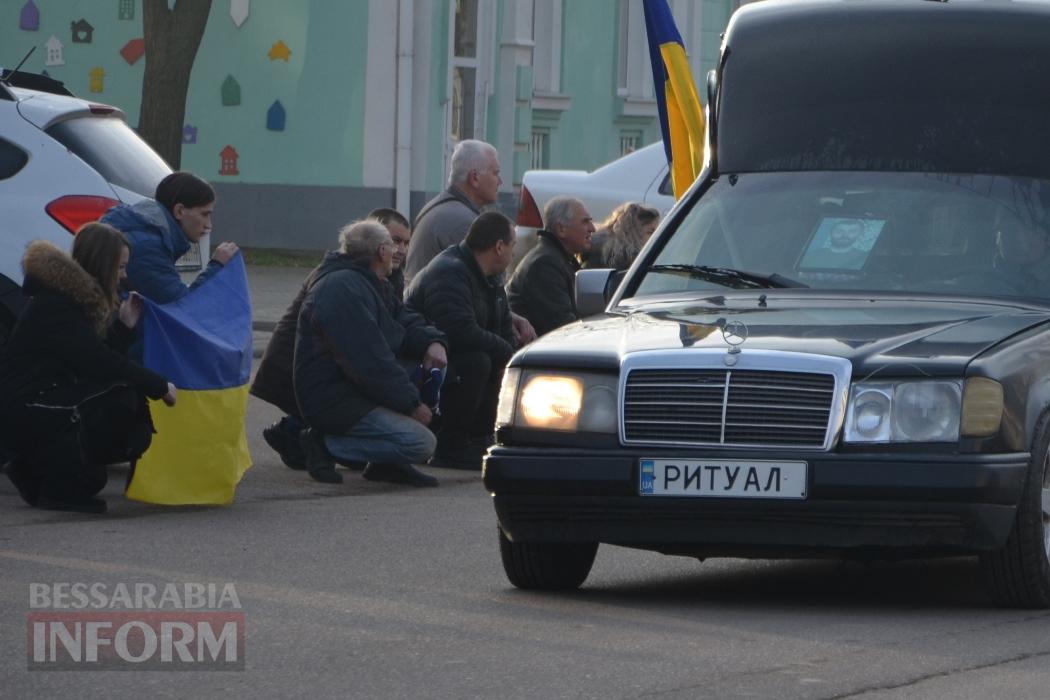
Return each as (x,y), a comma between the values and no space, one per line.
(546,566)
(1018,575)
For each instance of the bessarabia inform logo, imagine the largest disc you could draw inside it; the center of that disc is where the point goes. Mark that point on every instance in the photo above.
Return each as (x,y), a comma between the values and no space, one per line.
(133,627)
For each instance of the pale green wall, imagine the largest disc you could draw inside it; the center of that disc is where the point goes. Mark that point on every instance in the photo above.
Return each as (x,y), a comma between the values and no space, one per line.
(322,85)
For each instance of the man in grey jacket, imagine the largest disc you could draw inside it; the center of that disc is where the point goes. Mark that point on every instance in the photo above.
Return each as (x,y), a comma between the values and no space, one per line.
(473,183)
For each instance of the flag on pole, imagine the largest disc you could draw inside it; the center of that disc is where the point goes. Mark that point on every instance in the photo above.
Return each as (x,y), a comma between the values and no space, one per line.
(203,344)
(681,117)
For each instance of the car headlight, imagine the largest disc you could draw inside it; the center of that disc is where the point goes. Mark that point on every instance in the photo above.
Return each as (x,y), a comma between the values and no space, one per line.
(906,411)
(561,401)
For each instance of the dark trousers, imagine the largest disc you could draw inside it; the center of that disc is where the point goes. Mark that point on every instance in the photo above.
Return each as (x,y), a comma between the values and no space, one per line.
(63,440)
(468,398)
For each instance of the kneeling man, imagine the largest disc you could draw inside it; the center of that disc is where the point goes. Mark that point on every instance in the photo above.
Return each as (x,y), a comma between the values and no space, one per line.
(351,349)
(461,292)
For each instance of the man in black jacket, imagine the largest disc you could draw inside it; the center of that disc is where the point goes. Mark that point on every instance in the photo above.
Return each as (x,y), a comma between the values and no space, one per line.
(350,381)
(461,293)
(542,288)
(273,379)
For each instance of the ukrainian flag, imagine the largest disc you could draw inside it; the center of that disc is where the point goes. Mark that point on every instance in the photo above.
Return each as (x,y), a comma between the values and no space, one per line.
(681,117)
(203,344)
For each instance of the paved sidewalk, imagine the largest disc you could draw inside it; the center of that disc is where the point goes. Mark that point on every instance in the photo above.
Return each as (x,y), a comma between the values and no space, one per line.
(273,289)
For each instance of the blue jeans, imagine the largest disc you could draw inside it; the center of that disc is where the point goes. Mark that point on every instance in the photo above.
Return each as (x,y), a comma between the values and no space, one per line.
(384,436)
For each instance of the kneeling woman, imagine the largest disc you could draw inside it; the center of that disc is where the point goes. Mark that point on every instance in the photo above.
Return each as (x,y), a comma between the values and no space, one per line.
(71,402)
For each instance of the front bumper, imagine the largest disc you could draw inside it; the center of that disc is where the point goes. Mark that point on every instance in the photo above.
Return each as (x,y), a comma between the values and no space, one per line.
(904,502)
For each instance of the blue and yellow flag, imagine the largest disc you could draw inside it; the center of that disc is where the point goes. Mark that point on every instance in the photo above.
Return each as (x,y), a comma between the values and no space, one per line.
(203,344)
(681,117)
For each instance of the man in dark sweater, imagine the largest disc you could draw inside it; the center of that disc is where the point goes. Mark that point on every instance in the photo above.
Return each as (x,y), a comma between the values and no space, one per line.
(460,292)
(542,288)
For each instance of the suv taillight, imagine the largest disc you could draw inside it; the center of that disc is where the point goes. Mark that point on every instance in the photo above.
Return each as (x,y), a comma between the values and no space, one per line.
(75,210)
(528,212)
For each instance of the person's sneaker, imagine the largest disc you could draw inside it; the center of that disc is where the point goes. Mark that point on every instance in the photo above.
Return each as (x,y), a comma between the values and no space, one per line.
(352,465)
(289,450)
(461,457)
(318,462)
(398,474)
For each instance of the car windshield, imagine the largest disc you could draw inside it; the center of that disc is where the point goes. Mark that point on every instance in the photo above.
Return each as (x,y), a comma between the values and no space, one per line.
(972,235)
(109,146)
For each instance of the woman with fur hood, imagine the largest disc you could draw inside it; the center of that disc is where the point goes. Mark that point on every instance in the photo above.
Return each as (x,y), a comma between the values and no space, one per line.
(71,401)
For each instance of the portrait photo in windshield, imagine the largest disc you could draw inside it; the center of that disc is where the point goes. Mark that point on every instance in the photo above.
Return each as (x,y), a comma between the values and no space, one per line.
(841,243)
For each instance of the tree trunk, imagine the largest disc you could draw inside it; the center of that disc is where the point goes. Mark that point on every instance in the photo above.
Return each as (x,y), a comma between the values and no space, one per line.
(172,38)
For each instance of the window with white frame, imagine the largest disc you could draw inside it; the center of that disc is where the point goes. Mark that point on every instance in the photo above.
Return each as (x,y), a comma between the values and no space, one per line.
(629,141)
(464,65)
(634,76)
(539,150)
(546,53)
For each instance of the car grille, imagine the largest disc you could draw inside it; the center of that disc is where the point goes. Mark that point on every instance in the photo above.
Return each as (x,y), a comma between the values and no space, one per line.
(727,407)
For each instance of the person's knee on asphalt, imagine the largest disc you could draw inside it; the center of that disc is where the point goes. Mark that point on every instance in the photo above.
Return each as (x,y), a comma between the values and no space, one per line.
(351,337)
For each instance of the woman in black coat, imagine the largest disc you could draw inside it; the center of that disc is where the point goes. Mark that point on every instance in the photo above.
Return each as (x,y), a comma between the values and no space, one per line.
(71,402)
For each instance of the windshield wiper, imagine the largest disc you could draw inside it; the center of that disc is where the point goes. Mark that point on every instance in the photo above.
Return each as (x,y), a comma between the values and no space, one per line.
(731,277)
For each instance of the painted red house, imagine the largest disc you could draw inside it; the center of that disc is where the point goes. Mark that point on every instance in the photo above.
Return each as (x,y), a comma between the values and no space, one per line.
(228,164)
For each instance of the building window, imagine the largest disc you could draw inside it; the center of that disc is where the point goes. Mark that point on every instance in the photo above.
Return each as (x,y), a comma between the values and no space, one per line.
(629,141)
(546,53)
(464,63)
(539,150)
(634,76)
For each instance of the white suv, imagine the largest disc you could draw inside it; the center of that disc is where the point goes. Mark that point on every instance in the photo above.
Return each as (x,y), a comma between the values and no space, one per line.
(63,162)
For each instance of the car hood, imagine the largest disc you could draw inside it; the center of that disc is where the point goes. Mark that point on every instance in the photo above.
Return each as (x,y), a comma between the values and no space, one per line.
(906,336)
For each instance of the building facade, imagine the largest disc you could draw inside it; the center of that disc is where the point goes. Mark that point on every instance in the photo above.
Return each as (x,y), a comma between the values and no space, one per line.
(305,115)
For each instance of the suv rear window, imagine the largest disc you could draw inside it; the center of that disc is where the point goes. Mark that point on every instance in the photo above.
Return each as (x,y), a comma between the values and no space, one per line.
(12,159)
(109,146)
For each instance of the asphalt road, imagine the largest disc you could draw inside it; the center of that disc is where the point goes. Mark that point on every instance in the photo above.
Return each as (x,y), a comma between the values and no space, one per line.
(374,591)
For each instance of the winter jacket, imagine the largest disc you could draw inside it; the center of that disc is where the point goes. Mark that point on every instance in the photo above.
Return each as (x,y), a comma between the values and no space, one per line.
(469,308)
(273,380)
(443,221)
(156,241)
(63,337)
(542,288)
(347,345)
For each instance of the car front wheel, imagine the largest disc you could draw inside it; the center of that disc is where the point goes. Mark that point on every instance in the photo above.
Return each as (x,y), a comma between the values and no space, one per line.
(1019,574)
(546,566)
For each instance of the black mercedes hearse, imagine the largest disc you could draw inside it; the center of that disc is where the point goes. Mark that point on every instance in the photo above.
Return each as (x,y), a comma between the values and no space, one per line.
(838,343)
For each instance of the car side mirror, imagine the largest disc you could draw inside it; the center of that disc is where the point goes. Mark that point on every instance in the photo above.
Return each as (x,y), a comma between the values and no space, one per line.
(594,288)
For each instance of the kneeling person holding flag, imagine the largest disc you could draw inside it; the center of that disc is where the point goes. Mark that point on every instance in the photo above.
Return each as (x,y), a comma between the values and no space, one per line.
(350,377)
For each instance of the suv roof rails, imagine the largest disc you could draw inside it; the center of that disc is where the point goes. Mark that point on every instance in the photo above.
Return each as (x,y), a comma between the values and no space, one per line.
(30,81)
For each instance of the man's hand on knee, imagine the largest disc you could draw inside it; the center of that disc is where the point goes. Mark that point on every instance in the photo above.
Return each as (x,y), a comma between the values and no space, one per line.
(422,414)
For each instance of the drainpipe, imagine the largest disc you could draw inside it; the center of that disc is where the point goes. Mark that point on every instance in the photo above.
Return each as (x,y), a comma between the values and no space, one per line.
(403,156)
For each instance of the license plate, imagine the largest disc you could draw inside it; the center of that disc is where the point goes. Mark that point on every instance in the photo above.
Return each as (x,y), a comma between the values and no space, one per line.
(718,478)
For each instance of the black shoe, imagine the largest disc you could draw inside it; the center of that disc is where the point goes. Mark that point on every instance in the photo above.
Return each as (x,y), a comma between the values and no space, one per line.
(398,474)
(289,450)
(352,465)
(462,457)
(80,505)
(318,462)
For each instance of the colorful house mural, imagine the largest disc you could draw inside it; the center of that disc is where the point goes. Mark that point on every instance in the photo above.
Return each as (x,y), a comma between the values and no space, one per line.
(53,52)
(228,161)
(29,17)
(82,31)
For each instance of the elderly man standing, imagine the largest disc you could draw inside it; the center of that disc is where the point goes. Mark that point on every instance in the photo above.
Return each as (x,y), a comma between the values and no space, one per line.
(273,380)
(542,288)
(349,376)
(473,183)
(461,293)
